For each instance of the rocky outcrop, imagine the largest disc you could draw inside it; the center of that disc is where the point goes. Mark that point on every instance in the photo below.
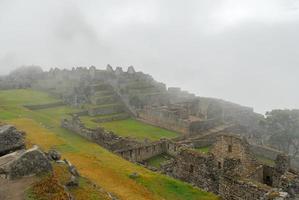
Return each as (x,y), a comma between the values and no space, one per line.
(25,163)
(53,155)
(10,139)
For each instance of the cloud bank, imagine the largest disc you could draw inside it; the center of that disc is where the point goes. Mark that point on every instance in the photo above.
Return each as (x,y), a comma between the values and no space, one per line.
(239,50)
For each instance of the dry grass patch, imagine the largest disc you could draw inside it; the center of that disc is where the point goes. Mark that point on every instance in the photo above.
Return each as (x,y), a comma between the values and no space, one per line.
(36,134)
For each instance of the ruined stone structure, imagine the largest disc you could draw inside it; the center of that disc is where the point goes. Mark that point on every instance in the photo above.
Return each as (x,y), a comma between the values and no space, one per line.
(128,148)
(231,170)
(130,93)
(100,136)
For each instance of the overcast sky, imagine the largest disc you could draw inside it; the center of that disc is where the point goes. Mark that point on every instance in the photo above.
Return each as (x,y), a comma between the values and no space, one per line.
(245,51)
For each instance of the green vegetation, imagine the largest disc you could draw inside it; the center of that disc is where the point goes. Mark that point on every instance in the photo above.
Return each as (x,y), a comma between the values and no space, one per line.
(158,160)
(203,149)
(265,160)
(102,167)
(137,129)
(283,128)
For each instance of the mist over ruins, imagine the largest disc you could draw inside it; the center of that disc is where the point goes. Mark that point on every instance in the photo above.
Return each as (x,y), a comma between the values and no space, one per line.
(98,131)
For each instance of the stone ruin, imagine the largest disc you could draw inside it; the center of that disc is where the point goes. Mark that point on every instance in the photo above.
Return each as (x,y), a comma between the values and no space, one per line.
(232,171)
(130,149)
(138,95)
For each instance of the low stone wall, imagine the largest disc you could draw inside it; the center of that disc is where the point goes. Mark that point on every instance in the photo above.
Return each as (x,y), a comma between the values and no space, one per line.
(145,152)
(112,118)
(44,106)
(234,189)
(100,136)
(105,110)
(79,114)
(165,120)
(129,149)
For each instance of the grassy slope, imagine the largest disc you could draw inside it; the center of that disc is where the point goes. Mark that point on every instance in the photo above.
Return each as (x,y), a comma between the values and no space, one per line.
(104,168)
(137,129)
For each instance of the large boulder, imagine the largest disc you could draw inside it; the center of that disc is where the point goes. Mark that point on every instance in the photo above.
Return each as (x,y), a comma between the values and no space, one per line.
(27,163)
(10,139)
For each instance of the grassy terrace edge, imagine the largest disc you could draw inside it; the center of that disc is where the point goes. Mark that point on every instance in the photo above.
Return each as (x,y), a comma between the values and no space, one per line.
(94,162)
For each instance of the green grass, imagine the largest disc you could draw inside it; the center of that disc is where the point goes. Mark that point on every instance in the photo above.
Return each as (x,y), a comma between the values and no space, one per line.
(138,130)
(25,97)
(158,160)
(265,160)
(203,149)
(94,162)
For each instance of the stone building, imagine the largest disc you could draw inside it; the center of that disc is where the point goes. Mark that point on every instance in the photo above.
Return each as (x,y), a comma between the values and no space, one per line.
(231,170)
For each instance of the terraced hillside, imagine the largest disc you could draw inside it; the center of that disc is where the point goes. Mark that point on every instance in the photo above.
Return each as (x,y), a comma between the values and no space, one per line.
(94,162)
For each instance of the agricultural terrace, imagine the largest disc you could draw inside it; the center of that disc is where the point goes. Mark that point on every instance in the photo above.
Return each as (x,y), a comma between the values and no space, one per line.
(104,168)
(131,128)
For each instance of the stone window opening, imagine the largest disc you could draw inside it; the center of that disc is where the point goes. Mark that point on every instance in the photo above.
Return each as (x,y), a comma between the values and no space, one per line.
(191,170)
(139,152)
(230,148)
(154,147)
(219,165)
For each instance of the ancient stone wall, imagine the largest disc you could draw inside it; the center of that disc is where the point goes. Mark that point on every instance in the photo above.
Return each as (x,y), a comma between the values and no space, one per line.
(100,136)
(165,119)
(229,146)
(142,153)
(236,189)
(44,106)
(129,149)
(147,151)
(105,110)
(198,169)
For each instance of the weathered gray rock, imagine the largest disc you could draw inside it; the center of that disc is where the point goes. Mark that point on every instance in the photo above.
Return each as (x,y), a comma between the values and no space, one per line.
(54,155)
(10,139)
(72,169)
(73,182)
(30,162)
(134,175)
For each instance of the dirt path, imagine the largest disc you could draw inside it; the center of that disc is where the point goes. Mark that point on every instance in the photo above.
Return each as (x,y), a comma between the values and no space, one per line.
(14,189)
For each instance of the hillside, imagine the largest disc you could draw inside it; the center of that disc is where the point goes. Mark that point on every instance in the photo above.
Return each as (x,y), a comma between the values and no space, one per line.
(94,162)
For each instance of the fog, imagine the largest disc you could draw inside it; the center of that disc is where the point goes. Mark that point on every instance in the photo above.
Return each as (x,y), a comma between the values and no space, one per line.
(243,51)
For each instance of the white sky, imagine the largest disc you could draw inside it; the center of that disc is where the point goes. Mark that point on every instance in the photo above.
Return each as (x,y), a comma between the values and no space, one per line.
(245,51)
